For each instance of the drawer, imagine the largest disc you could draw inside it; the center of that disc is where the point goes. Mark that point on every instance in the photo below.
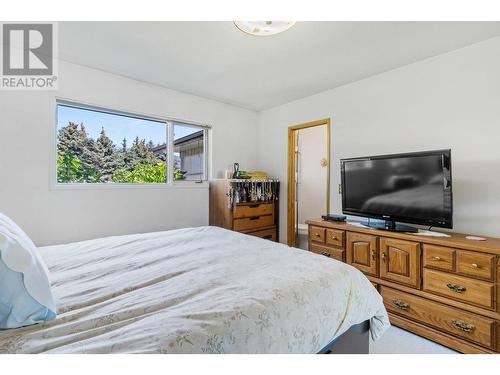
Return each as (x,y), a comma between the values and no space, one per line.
(267,234)
(451,320)
(253,223)
(252,210)
(439,257)
(334,237)
(328,251)
(317,234)
(475,264)
(461,288)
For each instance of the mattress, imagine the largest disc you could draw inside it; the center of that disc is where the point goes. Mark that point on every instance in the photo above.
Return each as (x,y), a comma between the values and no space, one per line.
(196,290)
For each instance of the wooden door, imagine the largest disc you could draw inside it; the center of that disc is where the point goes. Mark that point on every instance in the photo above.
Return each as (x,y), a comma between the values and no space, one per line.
(362,252)
(292,217)
(400,261)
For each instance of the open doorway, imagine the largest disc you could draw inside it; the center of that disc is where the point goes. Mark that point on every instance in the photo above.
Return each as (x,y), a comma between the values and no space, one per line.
(308,177)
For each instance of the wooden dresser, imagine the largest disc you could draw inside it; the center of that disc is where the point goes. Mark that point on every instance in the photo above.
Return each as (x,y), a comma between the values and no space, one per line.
(256,218)
(446,289)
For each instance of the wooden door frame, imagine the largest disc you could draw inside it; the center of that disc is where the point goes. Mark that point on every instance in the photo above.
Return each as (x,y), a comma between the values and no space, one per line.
(292,132)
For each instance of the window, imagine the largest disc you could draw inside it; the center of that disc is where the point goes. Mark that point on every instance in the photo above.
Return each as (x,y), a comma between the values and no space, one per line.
(189,152)
(99,146)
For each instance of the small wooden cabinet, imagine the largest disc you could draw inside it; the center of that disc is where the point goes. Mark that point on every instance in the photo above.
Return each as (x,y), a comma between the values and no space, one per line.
(400,261)
(327,242)
(255,218)
(362,252)
(444,288)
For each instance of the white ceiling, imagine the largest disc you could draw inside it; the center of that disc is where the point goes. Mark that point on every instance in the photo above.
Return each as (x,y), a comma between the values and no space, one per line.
(217,61)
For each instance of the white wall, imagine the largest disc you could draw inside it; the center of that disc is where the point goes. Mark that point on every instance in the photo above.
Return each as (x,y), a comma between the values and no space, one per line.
(312,177)
(452,100)
(27,145)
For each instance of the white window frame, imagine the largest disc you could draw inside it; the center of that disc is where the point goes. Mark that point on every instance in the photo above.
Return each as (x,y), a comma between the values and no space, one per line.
(205,149)
(169,126)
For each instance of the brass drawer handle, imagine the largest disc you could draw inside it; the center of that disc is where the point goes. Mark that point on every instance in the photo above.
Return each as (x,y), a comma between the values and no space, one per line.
(374,254)
(475,266)
(325,254)
(333,237)
(462,326)
(437,258)
(400,304)
(456,288)
(317,234)
(384,255)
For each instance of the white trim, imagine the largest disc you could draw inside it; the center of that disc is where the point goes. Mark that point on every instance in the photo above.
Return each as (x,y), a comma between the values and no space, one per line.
(206,154)
(104,186)
(170,152)
(210,143)
(144,116)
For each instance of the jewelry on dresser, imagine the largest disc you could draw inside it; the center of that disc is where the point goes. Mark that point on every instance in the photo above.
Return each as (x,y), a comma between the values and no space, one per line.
(230,196)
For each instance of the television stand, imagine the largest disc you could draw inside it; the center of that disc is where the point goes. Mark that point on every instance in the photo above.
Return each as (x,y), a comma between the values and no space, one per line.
(446,289)
(392,226)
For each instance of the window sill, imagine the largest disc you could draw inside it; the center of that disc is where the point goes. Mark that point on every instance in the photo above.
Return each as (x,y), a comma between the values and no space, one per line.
(100,186)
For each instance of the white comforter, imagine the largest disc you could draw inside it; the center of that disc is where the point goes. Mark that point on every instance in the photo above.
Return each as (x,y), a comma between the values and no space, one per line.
(196,290)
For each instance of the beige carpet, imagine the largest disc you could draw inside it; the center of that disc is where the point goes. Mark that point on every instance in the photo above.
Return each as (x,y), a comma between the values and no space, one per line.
(398,341)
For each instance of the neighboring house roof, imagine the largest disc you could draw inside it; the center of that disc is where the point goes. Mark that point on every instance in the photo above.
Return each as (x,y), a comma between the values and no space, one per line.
(158,148)
(179,142)
(187,138)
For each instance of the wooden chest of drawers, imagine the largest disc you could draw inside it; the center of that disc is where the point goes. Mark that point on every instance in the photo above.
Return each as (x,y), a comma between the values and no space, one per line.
(327,241)
(445,289)
(258,219)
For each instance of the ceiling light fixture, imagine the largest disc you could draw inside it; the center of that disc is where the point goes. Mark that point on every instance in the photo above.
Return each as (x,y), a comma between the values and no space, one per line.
(263,28)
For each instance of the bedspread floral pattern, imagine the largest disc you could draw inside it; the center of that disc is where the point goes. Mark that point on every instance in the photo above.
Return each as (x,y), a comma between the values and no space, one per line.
(196,290)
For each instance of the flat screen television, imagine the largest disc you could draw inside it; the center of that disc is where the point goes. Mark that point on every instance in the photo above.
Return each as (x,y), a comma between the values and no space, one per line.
(410,188)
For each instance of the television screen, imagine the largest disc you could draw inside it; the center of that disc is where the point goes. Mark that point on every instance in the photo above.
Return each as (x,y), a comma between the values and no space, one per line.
(412,188)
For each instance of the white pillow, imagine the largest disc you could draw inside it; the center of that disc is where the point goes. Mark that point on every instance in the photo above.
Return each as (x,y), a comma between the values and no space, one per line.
(25,294)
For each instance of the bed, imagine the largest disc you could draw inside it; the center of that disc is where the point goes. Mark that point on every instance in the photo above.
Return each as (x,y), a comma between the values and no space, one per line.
(198,290)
